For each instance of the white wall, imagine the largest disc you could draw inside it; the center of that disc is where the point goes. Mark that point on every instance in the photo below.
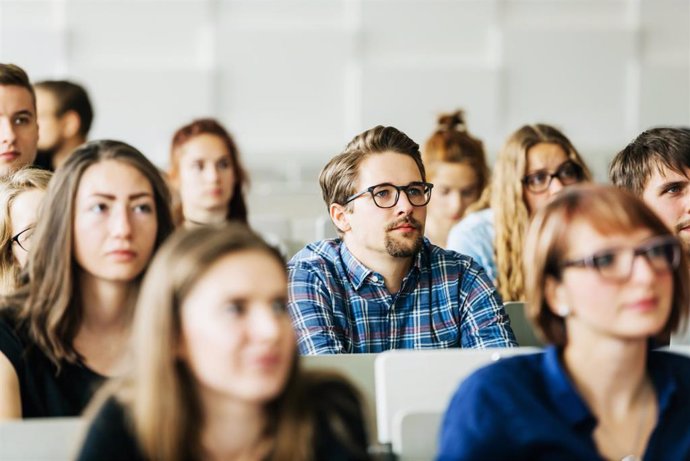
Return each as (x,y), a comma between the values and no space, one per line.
(294,80)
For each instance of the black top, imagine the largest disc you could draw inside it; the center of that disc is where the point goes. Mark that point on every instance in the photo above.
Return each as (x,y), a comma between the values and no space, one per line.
(44,391)
(110,436)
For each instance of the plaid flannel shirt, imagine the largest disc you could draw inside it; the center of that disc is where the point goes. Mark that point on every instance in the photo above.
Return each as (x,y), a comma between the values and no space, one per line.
(338,305)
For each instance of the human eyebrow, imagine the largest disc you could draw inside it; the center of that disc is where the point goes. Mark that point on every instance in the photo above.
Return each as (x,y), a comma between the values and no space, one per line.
(665,187)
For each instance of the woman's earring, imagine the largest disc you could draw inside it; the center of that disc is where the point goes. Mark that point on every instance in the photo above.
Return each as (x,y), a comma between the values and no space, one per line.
(563,310)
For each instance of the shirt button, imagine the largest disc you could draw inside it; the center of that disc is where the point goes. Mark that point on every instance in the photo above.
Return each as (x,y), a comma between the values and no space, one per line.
(374,279)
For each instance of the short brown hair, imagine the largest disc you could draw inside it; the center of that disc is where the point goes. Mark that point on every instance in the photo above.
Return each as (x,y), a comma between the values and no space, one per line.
(451,142)
(607,209)
(338,177)
(651,151)
(11,74)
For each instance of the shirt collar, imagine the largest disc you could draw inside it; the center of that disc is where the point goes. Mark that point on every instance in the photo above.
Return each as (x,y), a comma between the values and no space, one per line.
(358,272)
(573,408)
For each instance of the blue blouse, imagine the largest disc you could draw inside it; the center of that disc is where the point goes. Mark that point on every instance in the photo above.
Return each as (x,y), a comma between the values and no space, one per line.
(526,408)
(474,236)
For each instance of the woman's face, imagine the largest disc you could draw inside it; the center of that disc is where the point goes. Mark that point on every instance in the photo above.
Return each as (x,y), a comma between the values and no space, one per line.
(604,302)
(115,221)
(206,176)
(544,158)
(456,186)
(237,337)
(23,218)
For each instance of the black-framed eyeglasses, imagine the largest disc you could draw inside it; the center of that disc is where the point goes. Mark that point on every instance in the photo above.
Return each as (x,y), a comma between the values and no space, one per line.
(23,238)
(568,173)
(615,264)
(386,195)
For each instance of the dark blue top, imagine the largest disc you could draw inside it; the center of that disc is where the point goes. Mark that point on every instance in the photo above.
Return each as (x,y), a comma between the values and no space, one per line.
(526,408)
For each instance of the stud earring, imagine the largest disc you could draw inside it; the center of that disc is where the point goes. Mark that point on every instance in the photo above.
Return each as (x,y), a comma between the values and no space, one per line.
(563,310)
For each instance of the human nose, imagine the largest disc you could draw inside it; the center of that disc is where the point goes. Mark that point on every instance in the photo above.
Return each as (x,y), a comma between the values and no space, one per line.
(642,270)
(121,225)
(211,173)
(555,186)
(403,205)
(265,325)
(7,135)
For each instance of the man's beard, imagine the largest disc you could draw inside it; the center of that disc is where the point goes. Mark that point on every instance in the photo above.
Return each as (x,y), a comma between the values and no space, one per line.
(404,248)
(682,225)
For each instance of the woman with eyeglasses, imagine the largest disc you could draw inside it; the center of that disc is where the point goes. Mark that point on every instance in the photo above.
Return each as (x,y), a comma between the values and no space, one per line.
(207,175)
(65,330)
(455,163)
(536,163)
(604,279)
(216,374)
(21,194)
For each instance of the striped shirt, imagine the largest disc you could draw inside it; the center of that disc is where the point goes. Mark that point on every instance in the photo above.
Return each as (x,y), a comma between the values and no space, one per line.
(338,305)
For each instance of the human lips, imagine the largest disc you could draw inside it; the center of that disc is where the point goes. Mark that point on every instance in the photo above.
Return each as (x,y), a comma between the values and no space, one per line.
(643,304)
(683,226)
(9,155)
(122,255)
(406,225)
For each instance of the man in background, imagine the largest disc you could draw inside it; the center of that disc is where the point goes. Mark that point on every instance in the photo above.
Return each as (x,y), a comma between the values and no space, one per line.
(18,126)
(65,115)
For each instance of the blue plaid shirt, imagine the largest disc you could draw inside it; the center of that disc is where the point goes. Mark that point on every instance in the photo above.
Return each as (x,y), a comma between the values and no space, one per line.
(338,305)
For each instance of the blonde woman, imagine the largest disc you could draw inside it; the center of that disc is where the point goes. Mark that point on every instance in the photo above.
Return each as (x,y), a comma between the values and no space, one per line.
(605,278)
(21,194)
(64,331)
(536,162)
(216,373)
(456,164)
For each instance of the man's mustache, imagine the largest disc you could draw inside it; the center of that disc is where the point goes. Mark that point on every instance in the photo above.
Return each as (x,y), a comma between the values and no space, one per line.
(409,220)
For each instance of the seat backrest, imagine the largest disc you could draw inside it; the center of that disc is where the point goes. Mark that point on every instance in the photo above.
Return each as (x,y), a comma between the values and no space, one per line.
(49,439)
(521,325)
(359,369)
(414,380)
(413,435)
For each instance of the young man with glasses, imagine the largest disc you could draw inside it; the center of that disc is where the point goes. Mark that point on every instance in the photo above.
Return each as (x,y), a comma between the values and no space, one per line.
(655,166)
(382,285)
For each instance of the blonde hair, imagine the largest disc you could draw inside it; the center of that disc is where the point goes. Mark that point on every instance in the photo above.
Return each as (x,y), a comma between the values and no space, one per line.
(11,186)
(511,216)
(608,210)
(452,143)
(160,395)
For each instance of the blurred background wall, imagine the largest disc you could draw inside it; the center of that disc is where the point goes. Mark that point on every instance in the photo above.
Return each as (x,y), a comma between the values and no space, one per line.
(295,80)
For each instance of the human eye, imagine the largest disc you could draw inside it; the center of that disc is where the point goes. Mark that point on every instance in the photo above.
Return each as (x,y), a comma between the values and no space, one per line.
(382,192)
(673,188)
(416,190)
(279,306)
(604,260)
(569,172)
(235,307)
(224,163)
(22,119)
(146,208)
(469,193)
(98,208)
(538,178)
(198,165)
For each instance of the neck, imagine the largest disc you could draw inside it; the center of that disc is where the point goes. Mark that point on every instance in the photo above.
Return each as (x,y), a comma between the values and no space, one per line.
(104,303)
(437,232)
(66,148)
(610,373)
(392,268)
(233,429)
(201,217)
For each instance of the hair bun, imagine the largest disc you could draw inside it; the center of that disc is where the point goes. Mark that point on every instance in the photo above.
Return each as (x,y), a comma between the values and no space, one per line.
(452,121)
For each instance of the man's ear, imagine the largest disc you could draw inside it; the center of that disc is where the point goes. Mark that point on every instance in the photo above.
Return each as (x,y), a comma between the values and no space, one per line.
(340,217)
(70,124)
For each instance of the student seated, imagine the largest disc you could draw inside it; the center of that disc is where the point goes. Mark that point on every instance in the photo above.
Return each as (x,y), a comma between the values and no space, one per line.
(207,175)
(536,162)
(605,278)
(456,164)
(105,212)
(215,371)
(21,194)
(382,285)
